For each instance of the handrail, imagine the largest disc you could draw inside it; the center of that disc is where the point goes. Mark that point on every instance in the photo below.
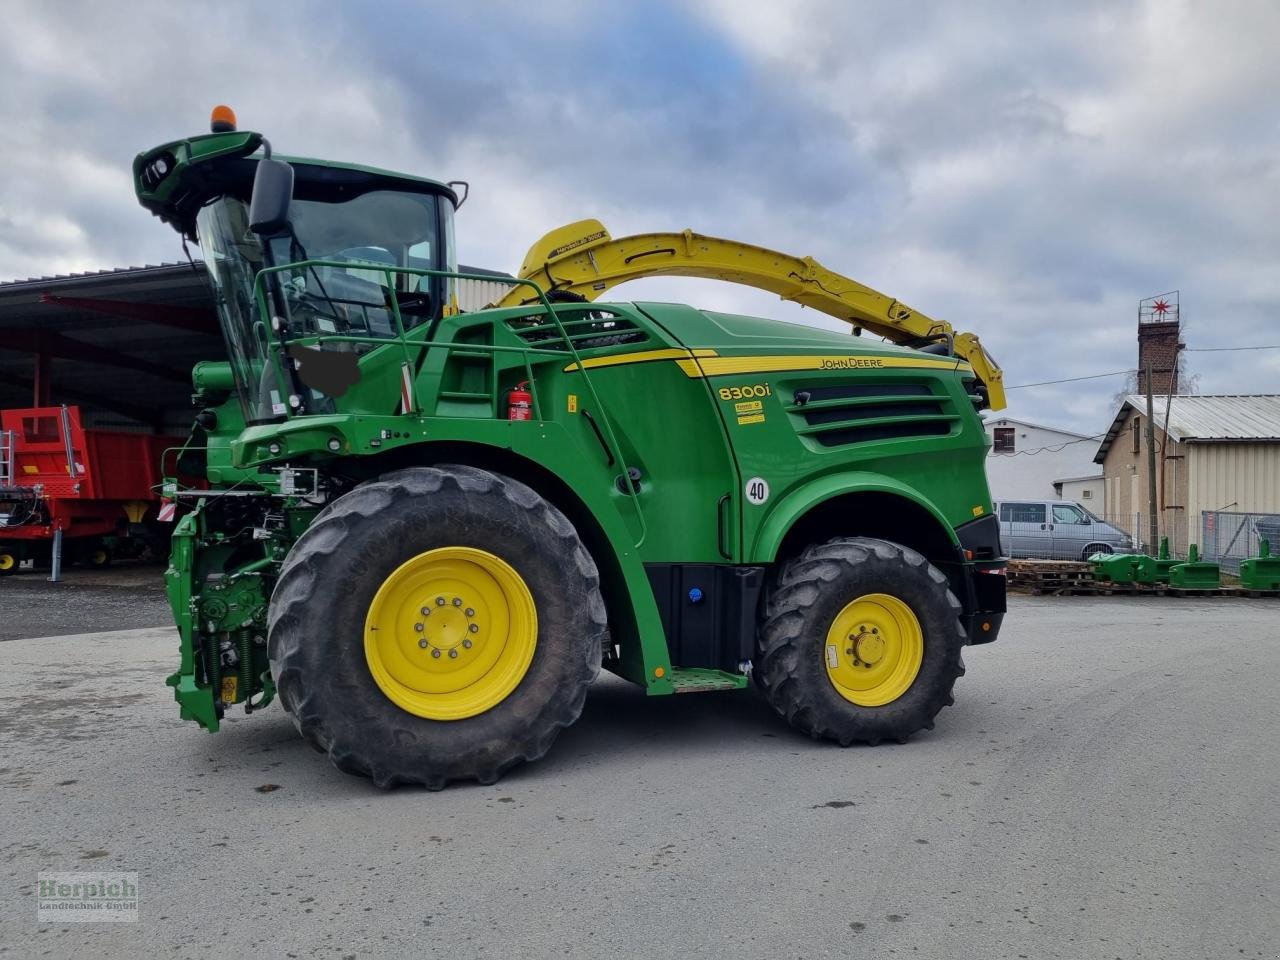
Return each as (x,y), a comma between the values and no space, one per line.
(274,347)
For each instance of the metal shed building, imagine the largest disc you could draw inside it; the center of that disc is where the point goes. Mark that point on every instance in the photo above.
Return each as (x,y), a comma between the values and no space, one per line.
(1222,454)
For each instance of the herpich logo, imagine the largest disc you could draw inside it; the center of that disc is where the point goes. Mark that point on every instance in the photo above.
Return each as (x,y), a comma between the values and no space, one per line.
(86,897)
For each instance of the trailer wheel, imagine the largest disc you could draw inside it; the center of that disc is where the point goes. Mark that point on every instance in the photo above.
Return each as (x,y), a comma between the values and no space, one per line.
(8,563)
(861,642)
(438,624)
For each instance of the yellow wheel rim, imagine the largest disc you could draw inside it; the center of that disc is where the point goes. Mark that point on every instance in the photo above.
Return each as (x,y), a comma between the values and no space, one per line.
(99,557)
(450,633)
(874,650)
(7,561)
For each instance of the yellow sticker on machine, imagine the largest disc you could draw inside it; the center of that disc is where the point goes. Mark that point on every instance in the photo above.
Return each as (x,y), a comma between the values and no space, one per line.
(229,689)
(750,418)
(748,406)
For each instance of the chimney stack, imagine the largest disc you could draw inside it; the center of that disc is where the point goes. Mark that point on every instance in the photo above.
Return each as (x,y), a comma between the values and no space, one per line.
(1159,331)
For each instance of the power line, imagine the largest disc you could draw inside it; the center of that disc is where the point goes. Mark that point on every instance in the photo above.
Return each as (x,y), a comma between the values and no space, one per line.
(1265,346)
(1121,373)
(1053,448)
(1092,376)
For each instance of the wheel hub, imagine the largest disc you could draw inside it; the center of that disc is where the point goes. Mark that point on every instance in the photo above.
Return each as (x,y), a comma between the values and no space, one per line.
(868,647)
(447,628)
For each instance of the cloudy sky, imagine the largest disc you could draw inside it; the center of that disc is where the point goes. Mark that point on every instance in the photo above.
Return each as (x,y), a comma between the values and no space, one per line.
(1025,174)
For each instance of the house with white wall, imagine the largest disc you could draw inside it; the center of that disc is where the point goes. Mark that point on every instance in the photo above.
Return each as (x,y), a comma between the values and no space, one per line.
(1031,461)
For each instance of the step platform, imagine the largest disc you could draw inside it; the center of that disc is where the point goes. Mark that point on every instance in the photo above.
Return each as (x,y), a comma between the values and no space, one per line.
(702,679)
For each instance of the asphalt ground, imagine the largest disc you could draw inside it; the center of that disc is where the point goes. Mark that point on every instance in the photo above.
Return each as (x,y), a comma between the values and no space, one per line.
(1105,787)
(124,596)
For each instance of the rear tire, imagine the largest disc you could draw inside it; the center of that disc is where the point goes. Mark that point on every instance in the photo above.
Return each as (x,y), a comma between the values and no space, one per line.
(336,579)
(819,621)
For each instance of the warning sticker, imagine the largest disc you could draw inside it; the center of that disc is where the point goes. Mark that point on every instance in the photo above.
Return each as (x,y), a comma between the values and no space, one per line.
(751,418)
(748,406)
(229,689)
(573,403)
(833,656)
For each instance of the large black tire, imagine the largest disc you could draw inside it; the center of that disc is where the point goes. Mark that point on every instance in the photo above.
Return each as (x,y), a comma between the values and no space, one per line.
(318,610)
(809,593)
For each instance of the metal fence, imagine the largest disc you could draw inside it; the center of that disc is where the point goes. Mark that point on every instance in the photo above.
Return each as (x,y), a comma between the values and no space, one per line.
(1227,538)
(1063,530)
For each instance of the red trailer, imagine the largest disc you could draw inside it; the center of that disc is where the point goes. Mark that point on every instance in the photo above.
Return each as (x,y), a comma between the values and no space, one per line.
(98,487)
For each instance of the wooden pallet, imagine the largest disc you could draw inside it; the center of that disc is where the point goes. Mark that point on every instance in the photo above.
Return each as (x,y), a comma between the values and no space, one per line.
(1048,576)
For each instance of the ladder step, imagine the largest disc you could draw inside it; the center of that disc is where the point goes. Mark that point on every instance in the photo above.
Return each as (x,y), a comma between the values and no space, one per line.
(699,679)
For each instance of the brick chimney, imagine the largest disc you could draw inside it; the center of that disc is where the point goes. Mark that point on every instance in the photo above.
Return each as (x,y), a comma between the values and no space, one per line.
(1158,343)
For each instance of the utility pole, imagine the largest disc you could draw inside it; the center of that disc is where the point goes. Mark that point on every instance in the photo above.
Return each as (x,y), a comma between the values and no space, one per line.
(1154,523)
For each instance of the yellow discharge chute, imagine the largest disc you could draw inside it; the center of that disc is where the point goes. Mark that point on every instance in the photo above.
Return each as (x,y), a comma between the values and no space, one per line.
(582,258)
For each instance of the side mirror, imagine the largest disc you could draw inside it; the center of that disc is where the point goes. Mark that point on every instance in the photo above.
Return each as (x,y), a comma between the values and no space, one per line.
(272,192)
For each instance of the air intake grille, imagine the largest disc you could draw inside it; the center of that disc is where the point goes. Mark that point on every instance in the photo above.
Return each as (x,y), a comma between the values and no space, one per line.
(835,415)
(589,330)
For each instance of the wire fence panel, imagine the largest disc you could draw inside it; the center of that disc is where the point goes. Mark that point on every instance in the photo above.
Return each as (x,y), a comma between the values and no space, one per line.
(1227,537)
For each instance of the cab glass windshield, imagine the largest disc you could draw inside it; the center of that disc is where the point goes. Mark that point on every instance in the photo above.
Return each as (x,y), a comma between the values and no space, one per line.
(373,230)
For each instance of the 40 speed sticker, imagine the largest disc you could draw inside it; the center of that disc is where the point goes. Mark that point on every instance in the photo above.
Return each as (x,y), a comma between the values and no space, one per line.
(757,491)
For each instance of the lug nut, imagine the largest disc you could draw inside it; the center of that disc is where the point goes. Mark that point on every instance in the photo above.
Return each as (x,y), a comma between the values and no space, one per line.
(439,601)
(453,654)
(426,611)
(467,644)
(436,654)
(474,628)
(423,643)
(457,601)
(469,612)
(419,627)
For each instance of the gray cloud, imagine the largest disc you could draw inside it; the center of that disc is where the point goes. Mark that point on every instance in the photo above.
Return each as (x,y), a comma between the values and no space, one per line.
(1027,172)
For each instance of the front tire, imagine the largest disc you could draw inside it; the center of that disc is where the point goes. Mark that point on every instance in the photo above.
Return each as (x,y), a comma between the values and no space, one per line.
(861,642)
(439,624)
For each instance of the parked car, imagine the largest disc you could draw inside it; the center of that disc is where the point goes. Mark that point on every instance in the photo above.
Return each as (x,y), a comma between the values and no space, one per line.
(1056,530)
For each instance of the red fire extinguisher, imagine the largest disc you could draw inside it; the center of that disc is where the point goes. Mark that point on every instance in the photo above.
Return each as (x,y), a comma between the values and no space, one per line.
(520,402)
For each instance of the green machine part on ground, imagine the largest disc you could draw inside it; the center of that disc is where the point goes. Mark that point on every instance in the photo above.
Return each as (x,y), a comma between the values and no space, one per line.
(1124,568)
(1261,572)
(425,530)
(1138,568)
(1195,574)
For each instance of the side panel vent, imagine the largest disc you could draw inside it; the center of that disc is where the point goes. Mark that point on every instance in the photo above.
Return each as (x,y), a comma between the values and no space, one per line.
(837,414)
(838,438)
(588,329)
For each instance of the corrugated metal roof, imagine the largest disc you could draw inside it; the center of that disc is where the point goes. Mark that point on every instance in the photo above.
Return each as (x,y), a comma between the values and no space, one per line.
(92,274)
(1205,418)
(138,364)
(1225,417)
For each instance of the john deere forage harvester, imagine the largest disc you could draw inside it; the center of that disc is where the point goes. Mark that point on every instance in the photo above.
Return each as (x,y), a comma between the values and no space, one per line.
(427,530)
